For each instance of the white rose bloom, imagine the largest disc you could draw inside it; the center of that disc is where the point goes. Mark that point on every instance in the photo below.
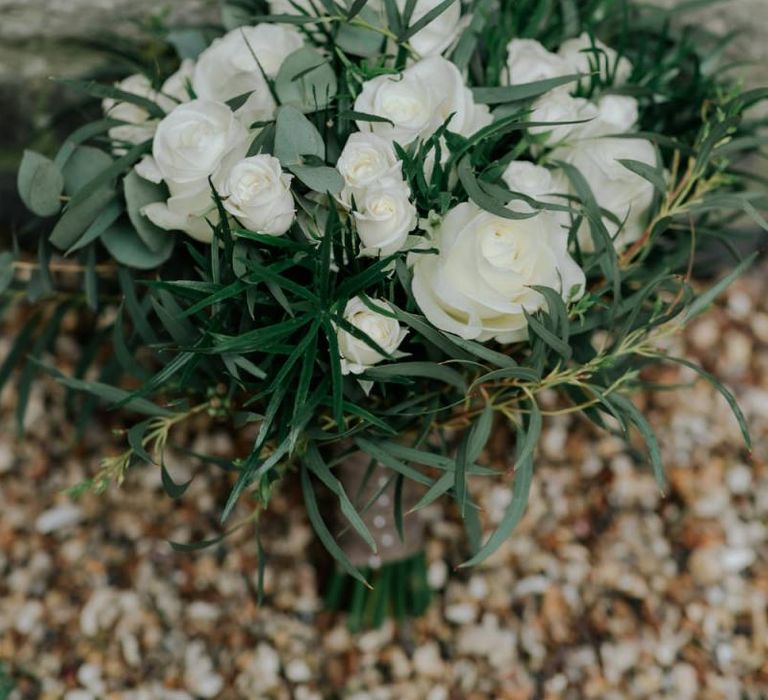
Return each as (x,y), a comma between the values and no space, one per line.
(585,55)
(440,33)
(188,209)
(179,84)
(479,284)
(366,159)
(140,125)
(616,114)
(537,182)
(528,61)
(384,217)
(295,7)
(258,193)
(616,188)
(356,354)
(232,65)
(193,141)
(559,106)
(419,101)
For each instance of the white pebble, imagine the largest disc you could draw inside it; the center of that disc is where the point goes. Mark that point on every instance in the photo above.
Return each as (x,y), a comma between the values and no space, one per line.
(28,617)
(437,574)
(58,518)
(737,559)
(427,661)
(685,681)
(461,613)
(739,479)
(297,671)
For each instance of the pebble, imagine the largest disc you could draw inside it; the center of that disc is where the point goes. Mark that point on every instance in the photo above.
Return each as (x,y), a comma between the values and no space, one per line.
(461,613)
(427,661)
(437,574)
(58,518)
(298,671)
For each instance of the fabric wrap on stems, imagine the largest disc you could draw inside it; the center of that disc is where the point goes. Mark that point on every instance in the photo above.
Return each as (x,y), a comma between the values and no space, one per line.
(397,571)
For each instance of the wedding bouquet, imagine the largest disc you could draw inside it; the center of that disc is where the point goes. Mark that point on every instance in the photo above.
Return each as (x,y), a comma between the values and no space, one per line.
(367,231)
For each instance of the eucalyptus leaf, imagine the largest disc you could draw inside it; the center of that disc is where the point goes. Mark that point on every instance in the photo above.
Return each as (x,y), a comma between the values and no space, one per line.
(306,80)
(296,137)
(138,194)
(127,247)
(40,184)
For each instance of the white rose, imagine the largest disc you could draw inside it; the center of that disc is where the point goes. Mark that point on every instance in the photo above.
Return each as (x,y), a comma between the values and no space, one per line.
(232,65)
(294,7)
(537,182)
(479,283)
(188,209)
(356,354)
(179,85)
(419,101)
(366,159)
(384,217)
(586,55)
(616,188)
(440,33)
(528,61)
(556,107)
(193,141)
(616,114)
(139,124)
(258,193)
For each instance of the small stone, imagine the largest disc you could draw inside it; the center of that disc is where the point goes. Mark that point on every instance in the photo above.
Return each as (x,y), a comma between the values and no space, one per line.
(739,479)
(461,613)
(685,681)
(427,661)
(298,671)
(437,574)
(706,565)
(58,518)
(199,675)
(28,617)
(79,694)
(738,558)
(89,676)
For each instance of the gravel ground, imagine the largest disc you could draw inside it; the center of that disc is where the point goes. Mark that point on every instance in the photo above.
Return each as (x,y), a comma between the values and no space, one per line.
(607,590)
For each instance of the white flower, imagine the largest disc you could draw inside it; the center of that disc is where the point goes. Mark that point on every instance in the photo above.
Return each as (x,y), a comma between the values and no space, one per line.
(616,188)
(556,107)
(188,209)
(366,158)
(479,284)
(440,33)
(384,217)
(258,193)
(232,65)
(140,125)
(356,354)
(585,55)
(528,61)
(616,114)
(537,182)
(192,142)
(419,101)
(179,84)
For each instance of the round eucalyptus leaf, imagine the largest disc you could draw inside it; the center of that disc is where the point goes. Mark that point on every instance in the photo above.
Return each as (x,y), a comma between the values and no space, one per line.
(138,193)
(40,184)
(359,41)
(124,245)
(319,178)
(306,81)
(84,165)
(296,137)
